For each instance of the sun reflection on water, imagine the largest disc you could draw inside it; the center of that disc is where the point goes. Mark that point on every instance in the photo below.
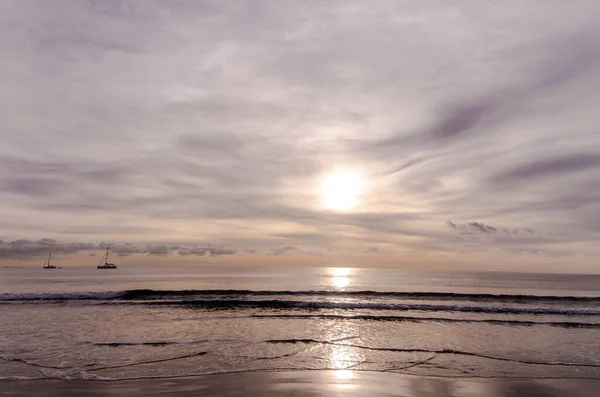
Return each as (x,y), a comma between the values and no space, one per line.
(340,277)
(342,356)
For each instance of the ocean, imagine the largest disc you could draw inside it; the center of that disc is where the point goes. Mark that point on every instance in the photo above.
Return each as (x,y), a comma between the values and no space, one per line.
(170,322)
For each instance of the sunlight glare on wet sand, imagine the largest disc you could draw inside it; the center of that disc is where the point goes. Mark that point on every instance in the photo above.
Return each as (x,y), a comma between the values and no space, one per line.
(344,374)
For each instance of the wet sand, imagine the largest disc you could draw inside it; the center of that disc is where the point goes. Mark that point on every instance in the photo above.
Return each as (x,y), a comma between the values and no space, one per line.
(307,383)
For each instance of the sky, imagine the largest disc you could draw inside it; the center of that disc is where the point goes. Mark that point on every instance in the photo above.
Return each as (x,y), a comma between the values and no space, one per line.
(432,134)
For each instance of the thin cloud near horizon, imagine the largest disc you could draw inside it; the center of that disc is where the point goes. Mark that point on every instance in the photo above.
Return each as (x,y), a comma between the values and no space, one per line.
(172,123)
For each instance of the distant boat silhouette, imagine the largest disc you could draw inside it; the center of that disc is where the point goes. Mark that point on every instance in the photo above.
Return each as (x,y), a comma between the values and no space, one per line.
(47,264)
(106,265)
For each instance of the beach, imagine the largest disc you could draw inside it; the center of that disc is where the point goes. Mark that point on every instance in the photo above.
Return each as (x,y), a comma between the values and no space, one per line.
(307,383)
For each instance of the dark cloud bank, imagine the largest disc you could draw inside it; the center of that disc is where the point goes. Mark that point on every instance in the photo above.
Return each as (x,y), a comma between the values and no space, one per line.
(27,249)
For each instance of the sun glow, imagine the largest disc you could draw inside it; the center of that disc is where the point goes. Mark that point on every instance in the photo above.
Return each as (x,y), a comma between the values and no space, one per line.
(341,190)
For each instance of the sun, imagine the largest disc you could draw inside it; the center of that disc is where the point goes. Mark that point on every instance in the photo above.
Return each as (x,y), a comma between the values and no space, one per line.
(341,190)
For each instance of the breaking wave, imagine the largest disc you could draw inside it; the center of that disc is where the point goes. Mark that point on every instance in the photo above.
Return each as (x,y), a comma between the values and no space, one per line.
(149,294)
(60,296)
(312,305)
(344,300)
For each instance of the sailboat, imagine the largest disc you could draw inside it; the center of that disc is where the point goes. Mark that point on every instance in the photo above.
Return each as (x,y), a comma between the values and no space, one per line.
(106,265)
(47,264)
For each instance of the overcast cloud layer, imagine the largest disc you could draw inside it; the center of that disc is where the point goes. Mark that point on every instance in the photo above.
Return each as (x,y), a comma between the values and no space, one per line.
(171,125)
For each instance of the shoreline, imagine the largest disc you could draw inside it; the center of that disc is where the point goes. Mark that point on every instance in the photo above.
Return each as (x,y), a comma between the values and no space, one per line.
(307,383)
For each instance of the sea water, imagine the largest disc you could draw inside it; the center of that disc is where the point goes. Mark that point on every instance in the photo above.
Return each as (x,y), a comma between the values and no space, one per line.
(158,322)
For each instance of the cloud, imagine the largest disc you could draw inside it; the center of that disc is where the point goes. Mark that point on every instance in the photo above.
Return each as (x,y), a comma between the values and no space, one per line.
(206,251)
(161,250)
(521,241)
(125,249)
(181,122)
(479,228)
(482,228)
(458,118)
(286,250)
(48,242)
(303,236)
(25,249)
(550,168)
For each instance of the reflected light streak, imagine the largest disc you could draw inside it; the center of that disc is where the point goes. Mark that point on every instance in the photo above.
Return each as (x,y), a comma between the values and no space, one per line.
(344,374)
(340,277)
(341,358)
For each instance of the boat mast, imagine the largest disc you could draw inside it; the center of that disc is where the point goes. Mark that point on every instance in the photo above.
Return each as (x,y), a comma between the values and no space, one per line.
(106,256)
(47,261)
